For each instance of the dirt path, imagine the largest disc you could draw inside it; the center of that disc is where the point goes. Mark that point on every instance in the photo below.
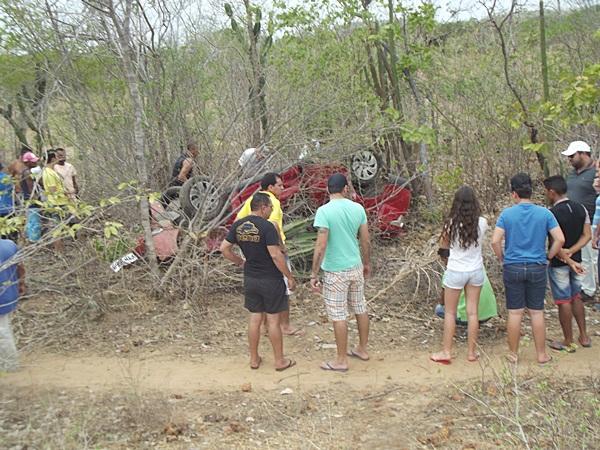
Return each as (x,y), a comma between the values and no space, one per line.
(164,372)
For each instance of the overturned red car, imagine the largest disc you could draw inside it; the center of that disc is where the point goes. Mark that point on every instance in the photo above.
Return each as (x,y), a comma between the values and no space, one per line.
(305,184)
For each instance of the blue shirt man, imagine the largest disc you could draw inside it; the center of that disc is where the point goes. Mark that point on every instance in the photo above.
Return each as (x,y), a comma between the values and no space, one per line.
(12,285)
(524,227)
(6,193)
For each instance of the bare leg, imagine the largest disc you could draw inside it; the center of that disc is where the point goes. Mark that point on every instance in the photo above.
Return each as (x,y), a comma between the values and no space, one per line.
(579,314)
(472,297)
(276,339)
(513,329)
(565,316)
(340,329)
(254,337)
(451,297)
(363,335)
(538,326)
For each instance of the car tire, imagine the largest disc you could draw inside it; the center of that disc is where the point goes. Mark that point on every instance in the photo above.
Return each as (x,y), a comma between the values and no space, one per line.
(201,193)
(365,166)
(171,194)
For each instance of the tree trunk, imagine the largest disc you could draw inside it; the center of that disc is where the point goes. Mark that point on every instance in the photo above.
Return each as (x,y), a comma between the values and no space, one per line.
(127,59)
(255,83)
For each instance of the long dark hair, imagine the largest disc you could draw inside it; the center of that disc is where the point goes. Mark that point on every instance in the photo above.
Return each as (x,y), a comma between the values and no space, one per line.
(462,224)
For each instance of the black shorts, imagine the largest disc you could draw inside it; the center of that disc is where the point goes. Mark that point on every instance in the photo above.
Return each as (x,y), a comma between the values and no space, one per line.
(266,295)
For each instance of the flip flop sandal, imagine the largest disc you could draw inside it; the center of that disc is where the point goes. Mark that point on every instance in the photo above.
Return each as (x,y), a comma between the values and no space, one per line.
(444,361)
(258,365)
(299,332)
(291,363)
(511,358)
(477,355)
(329,367)
(560,347)
(353,354)
(588,344)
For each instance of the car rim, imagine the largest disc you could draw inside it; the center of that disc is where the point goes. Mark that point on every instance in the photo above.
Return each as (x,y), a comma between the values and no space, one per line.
(205,195)
(364,165)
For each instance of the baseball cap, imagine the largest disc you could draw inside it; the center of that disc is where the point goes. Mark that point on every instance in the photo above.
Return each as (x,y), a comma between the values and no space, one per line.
(336,183)
(576,146)
(29,157)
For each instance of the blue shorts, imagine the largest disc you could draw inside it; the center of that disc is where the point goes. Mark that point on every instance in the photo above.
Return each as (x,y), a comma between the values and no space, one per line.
(564,284)
(525,285)
(458,280)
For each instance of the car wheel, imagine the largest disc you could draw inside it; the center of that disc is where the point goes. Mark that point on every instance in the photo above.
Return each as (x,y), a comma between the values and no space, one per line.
(365,166)
(200,193)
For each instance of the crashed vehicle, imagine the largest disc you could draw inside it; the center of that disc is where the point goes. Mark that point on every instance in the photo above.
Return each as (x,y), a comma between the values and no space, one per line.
(305,184)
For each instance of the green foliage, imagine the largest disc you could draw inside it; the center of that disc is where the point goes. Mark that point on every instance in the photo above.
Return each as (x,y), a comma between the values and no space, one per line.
(449,180)
(579,102)
(111,248)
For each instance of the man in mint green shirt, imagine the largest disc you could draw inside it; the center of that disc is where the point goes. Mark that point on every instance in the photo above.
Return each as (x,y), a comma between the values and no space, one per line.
(342,251)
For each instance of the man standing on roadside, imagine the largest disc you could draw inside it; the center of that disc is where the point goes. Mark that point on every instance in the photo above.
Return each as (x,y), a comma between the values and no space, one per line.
(12,286)
(524,227)
(264,269)
(580,185)
(565,282)
(272,185)
(342,251)
(68,173)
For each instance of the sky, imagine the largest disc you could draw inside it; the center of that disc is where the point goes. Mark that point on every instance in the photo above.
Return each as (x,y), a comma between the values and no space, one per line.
(447,10)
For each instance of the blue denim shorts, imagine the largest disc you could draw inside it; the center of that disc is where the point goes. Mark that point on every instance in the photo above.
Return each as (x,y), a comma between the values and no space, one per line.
(564,284)
(525,285)
(458,280)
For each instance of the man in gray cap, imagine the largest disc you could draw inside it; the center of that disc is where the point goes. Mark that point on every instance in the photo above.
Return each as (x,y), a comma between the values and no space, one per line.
(580,189)
(342,251)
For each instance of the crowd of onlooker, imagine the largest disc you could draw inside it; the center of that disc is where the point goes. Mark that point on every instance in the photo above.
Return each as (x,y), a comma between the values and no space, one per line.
(42,194)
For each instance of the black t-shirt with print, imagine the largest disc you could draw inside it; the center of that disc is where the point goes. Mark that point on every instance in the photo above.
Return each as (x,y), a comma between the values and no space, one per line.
(571,217)
(253,234)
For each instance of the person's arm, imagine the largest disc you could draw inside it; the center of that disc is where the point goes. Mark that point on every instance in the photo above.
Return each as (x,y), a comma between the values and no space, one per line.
(318,255)
(21,275)
(497,237)
(444,247)
(281,244)
(75,185)
(581,242)
(596,237)
(186,167)
(227,251)
(279,260)
(558,240)
(365,248)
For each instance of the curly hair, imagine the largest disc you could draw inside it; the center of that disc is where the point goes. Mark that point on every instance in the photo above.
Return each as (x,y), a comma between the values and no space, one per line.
(462,224)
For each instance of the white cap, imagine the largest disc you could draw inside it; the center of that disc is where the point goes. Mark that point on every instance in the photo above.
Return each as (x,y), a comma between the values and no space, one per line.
(576,146)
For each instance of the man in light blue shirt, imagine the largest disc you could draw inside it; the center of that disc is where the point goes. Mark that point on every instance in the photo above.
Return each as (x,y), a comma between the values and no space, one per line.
(342,251)
(524,228)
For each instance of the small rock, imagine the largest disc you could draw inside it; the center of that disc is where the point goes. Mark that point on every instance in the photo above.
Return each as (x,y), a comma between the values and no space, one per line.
(287,391)
(328,346)
(247,387)
(312,323)
(249,419)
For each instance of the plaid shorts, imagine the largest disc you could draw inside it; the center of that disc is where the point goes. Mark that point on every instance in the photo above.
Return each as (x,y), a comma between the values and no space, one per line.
(342,291)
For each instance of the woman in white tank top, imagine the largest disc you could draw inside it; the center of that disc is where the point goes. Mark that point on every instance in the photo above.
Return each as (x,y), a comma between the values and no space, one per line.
(462,234)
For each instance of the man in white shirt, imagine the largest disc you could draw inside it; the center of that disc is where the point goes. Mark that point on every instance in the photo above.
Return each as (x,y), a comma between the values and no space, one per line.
(252,158)
(68,174)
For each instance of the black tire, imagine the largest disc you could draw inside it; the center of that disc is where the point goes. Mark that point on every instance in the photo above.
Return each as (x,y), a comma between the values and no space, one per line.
(171,194)
(365,166)
(201,193)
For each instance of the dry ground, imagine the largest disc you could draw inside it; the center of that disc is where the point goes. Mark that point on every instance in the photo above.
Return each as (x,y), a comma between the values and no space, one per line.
(120,370)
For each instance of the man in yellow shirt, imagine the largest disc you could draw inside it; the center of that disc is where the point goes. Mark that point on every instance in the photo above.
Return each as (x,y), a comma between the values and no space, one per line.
(272,185)
(54,190)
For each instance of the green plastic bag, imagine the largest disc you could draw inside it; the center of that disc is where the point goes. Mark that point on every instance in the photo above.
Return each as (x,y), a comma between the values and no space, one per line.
(487,303)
